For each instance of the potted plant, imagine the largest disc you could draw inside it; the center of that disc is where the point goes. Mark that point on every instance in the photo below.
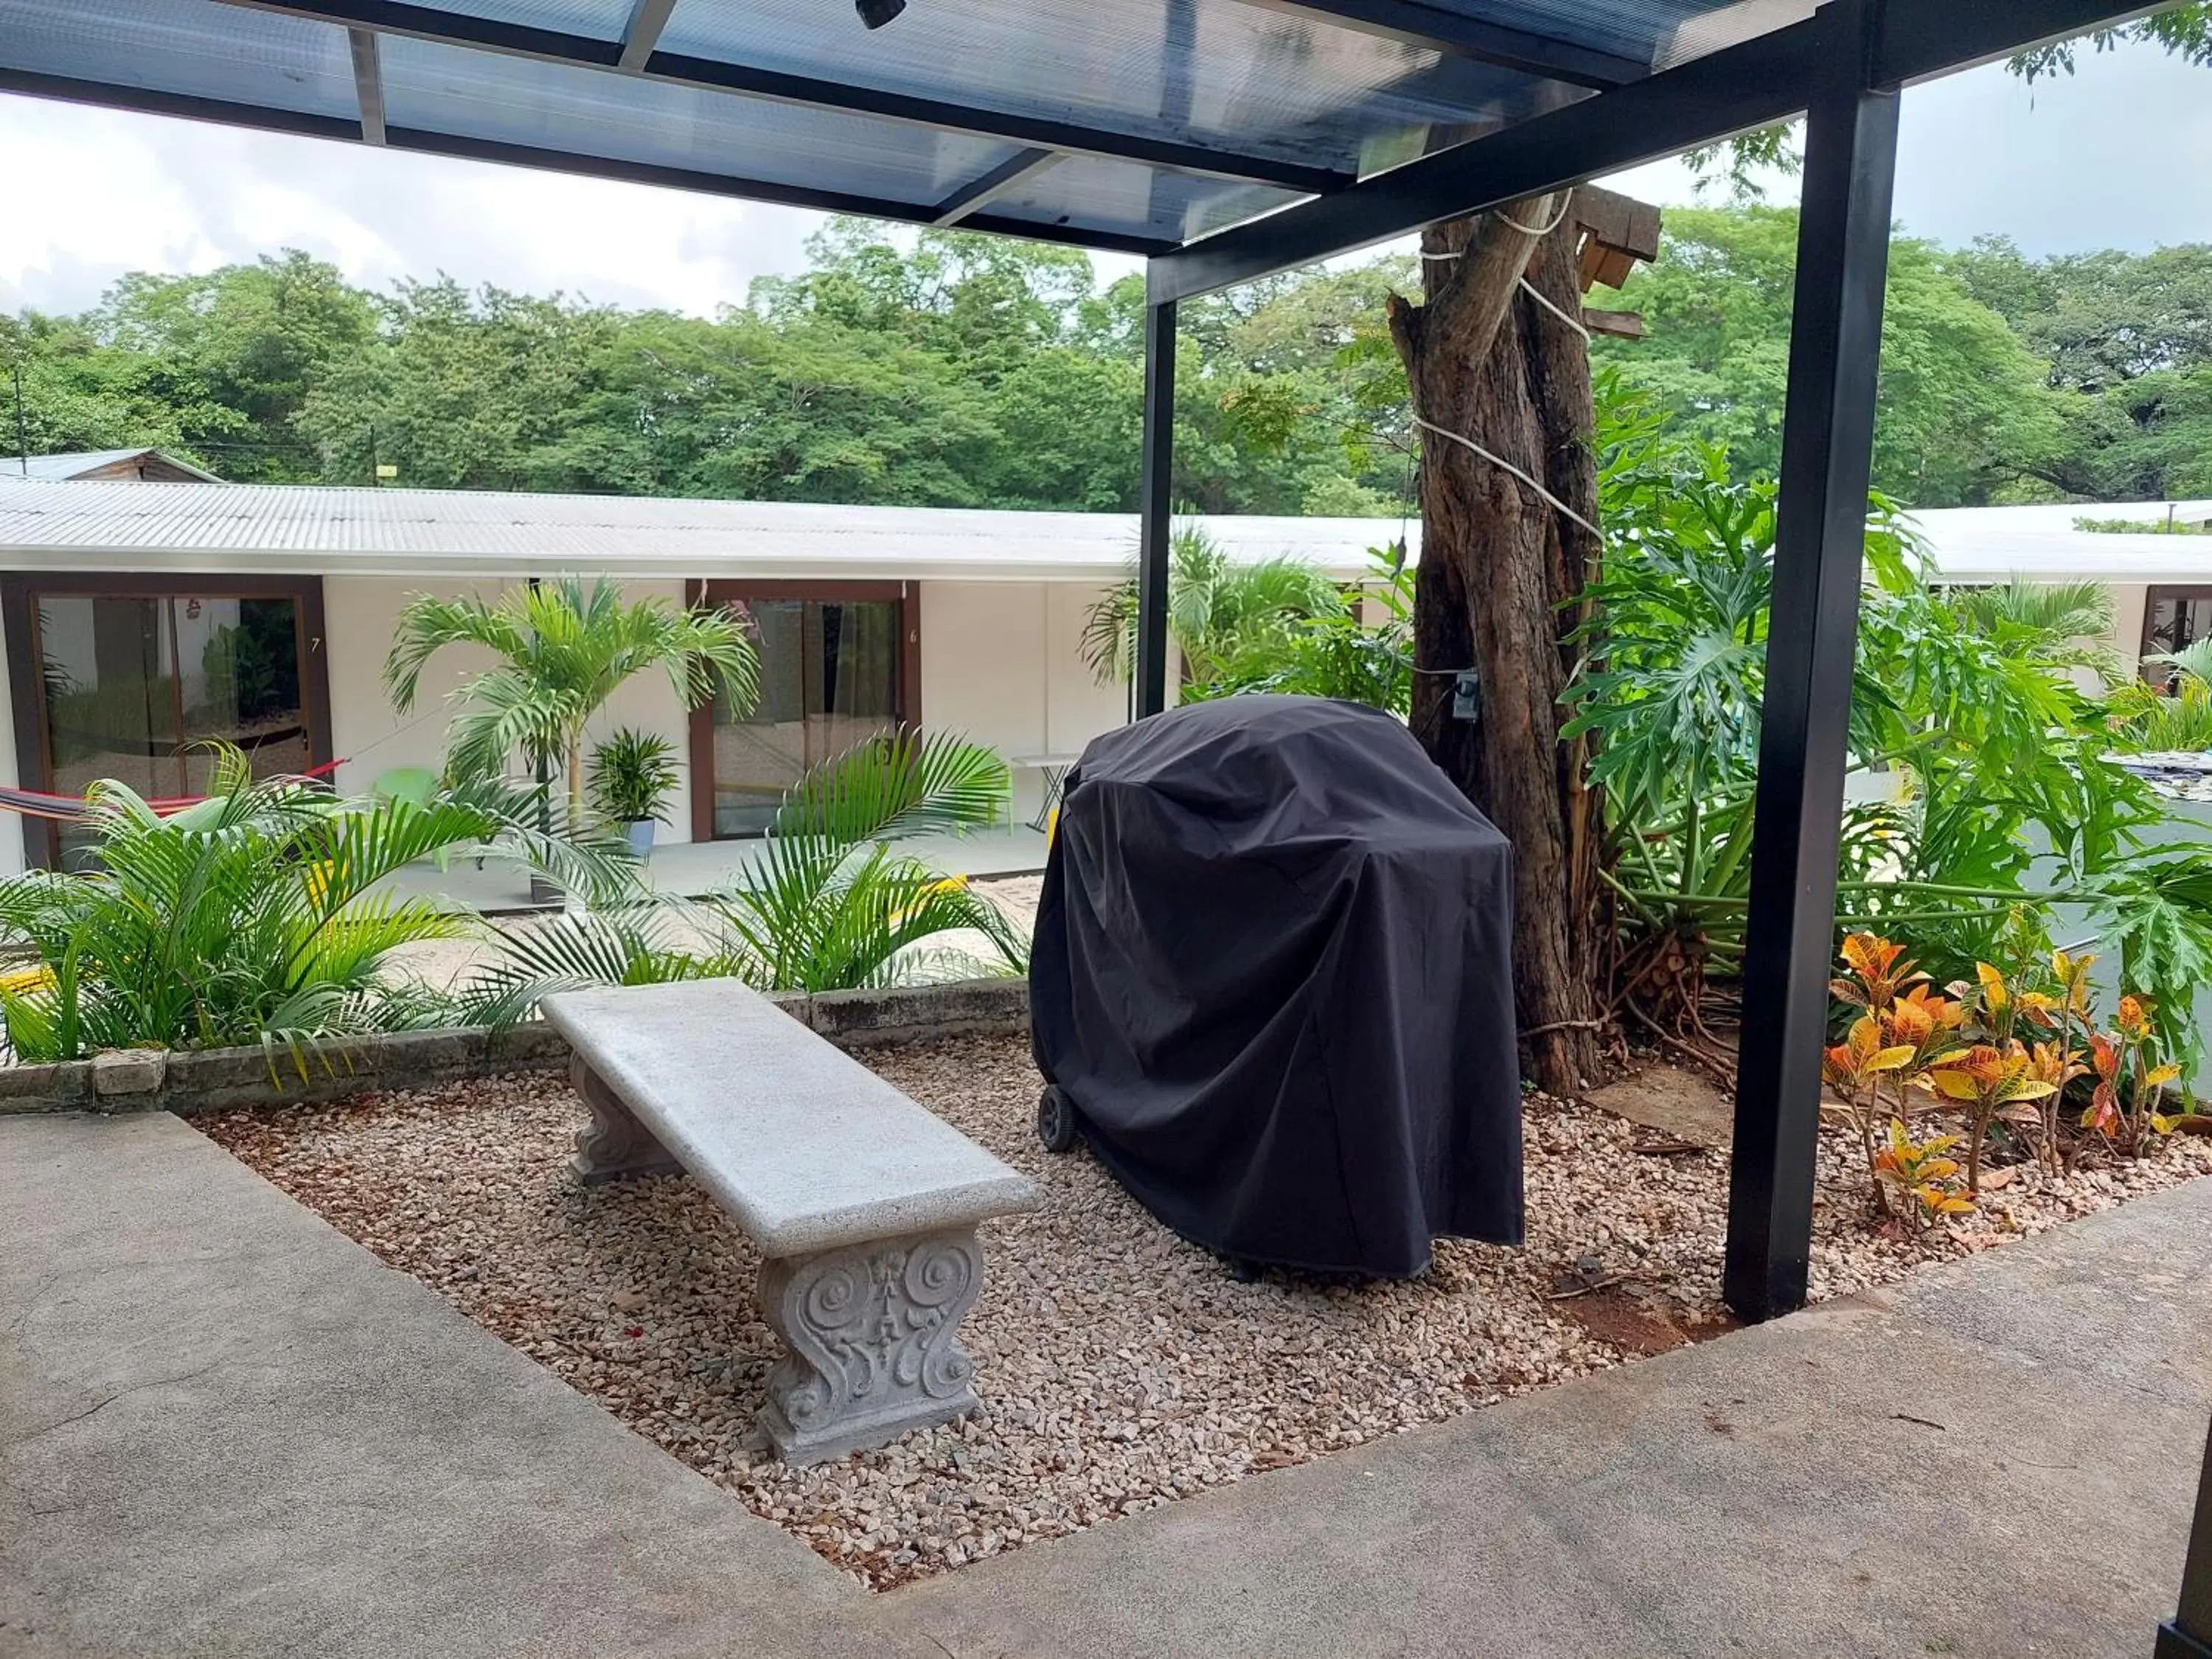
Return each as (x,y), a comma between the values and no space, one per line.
(632,773)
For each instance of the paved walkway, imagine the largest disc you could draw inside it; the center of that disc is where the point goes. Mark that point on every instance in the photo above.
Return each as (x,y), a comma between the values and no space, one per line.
(224,1429)
(691,868)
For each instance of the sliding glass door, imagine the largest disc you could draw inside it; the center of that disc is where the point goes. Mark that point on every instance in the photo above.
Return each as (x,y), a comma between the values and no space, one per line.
(124,683)
(837,664)
(2173,617)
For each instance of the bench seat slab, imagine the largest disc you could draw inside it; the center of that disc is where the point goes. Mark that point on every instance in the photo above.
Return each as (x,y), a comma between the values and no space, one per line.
(872,1338)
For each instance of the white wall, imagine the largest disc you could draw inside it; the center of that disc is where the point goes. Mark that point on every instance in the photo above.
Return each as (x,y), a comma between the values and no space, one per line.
(358,615)
(2130,600)
(999,665)
(12,862)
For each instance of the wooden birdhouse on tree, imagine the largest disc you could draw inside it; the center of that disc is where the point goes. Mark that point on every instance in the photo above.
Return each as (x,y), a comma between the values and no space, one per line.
(1616,231)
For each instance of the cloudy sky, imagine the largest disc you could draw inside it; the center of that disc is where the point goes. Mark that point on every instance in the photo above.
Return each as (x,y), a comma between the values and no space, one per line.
(2120,155)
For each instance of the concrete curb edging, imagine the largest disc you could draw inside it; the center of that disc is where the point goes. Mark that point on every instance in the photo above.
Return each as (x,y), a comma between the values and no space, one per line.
(214,1079)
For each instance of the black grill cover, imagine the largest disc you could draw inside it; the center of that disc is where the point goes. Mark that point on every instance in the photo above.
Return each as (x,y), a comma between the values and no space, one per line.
(1272,970)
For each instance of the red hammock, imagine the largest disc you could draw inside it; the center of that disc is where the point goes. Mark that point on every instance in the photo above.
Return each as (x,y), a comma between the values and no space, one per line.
(67,809)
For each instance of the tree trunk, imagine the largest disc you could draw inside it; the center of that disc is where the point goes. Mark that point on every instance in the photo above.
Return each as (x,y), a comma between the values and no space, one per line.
(1499,573)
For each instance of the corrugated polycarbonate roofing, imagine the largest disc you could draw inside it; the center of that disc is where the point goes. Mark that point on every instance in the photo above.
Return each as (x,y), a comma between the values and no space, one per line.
(1141,124)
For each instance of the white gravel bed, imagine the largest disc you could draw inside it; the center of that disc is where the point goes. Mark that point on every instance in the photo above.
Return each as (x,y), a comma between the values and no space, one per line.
(1120,1369)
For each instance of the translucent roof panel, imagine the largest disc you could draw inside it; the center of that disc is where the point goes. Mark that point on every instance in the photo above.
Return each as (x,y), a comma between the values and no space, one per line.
(1127,198)
(192,47)
(602,20)
(1162,112)
(594,113)
(1281,84)
(1659,33)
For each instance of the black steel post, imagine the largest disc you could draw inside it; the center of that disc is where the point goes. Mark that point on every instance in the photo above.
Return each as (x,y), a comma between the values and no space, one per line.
(1827,454)
(1153,506)
(2188,1634)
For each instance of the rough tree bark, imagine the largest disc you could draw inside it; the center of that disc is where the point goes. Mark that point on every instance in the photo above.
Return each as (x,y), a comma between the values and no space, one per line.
(1499,572)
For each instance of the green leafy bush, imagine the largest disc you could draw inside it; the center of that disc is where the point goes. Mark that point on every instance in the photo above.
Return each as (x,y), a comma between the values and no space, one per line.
(1966,704)
(255,916)
(828,904)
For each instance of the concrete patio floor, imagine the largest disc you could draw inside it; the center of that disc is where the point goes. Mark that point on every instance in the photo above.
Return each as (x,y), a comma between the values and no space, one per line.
(225,1429)
(691,868)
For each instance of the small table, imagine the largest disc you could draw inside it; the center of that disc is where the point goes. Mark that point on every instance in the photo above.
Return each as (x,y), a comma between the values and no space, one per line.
(1056,764)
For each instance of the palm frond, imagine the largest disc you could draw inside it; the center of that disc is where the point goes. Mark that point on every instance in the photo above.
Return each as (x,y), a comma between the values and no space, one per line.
(905,783)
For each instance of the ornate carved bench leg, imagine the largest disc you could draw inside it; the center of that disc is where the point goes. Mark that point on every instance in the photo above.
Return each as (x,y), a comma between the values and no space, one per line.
(871,1332)
(613,1143)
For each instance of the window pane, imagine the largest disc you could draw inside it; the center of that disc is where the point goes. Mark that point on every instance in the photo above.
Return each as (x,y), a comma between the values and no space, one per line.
(858,677)
(110,696)
(241,661)
(830,680)
(2174,622)
(761,754)
(131,681)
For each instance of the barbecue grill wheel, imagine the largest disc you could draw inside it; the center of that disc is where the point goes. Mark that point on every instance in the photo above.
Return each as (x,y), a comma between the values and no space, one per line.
(1055,1119)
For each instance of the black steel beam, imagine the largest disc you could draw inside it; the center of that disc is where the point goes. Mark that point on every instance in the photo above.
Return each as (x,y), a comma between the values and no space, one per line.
(1921,41)
(266,119)
(1754,83)
(1727,92)
(642,33)
(1458,35)
(1154,507)
(368,84)
(553,45)
(2188,1634)
(981,192)
(1828,459)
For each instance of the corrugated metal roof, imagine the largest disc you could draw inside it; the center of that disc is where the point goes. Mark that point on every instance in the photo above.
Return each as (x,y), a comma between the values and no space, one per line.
(1988,543)
(75,464)
(459,533)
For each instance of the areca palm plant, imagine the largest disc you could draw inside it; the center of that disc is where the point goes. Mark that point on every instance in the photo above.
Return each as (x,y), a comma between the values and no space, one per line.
(564,645)
(1217,608)
(2061,623)
(830,904)
(253,916)
(2146,718)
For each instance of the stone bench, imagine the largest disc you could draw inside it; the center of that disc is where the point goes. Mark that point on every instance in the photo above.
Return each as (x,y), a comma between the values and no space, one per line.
(864,1204)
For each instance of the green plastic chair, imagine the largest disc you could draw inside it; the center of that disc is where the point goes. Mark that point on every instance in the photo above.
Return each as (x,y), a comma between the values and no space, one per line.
(417,784)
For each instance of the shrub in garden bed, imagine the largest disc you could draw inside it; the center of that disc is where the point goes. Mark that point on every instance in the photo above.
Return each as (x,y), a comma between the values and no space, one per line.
(2001,1052)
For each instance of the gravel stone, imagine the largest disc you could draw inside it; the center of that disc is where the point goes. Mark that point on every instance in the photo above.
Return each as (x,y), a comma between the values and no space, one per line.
(1119,1368)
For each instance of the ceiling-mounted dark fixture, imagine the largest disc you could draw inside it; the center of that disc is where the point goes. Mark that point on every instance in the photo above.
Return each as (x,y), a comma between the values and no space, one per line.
(874,14)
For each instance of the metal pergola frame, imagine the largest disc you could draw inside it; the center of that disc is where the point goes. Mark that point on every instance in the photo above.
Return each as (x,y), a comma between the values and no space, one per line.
(1841,67)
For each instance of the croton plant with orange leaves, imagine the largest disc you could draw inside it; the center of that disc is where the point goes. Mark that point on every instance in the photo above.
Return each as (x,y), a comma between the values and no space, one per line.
(2001,1048)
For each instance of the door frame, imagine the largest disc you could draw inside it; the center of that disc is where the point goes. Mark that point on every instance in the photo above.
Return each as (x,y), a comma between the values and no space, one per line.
(19,624)
(2153,592)
(907,710)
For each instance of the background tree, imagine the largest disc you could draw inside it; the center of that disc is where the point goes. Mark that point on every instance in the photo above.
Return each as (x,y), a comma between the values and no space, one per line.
(2128,338)
(1964,412)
